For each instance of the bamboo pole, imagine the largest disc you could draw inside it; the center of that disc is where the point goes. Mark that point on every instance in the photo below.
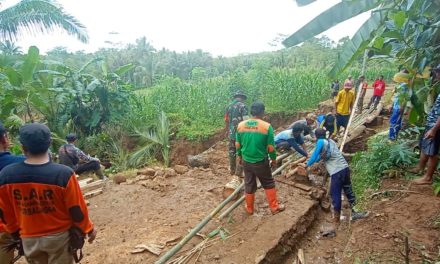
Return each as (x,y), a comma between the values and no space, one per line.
(195,230)
(351,118)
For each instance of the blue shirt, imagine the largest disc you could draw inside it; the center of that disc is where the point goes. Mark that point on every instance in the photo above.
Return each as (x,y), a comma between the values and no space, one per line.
(434,114)
(294,142)
(6,159)
(335,162)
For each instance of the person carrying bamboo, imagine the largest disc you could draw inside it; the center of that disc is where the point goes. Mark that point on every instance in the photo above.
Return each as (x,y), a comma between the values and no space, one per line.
(234,114)
(336,165)
(344,104)
(255,146)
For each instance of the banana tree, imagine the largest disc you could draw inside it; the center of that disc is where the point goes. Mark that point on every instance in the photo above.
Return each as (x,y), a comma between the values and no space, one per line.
(405,32)
(20,89)
(385,16)
(90,101)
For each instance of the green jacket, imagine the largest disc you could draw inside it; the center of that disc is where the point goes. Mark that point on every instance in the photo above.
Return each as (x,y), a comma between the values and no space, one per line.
(255,140)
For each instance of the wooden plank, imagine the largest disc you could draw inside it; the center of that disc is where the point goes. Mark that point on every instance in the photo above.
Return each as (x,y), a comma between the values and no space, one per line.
(92,186)
(93,193)
(85,181)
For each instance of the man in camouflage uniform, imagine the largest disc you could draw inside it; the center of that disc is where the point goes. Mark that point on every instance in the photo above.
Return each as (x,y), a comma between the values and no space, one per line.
(234,114)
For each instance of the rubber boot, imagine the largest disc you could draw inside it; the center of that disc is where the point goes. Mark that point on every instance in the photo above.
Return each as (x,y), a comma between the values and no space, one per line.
(232,165)
(250,198)
(275,207)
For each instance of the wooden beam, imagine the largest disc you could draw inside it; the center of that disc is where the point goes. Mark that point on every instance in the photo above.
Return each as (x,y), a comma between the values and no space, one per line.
(92,186)
(93,193)
(85,181)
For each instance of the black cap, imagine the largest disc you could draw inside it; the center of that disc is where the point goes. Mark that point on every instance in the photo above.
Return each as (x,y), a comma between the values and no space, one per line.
(71,137)
(320,133)
(329,118)
(257,109)
(35,138)
(297,128)
(240,94)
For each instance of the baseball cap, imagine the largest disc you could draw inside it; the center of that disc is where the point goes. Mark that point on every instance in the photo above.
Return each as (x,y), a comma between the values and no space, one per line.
(35,137)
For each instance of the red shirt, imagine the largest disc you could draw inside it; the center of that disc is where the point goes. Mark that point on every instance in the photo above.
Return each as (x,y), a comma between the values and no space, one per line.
(379,87)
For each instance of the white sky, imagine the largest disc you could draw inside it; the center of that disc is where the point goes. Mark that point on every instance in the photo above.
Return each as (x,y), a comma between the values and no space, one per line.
(221,27)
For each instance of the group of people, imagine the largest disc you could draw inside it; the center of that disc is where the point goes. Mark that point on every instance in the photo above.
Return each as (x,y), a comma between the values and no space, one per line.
(345,98)
(256,148)
(253,142)
(42,210)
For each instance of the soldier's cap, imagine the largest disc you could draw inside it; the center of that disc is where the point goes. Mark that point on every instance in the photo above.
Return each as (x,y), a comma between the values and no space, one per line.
(35,137)
(240,94)
(71,137)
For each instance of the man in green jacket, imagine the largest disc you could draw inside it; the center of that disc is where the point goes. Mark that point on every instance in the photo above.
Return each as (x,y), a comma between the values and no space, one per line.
(255,145)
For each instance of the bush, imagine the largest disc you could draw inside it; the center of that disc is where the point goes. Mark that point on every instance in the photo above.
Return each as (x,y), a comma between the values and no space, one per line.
(368,166)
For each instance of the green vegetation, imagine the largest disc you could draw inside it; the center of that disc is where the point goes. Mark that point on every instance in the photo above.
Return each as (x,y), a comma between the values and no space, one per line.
(113,97)
(405,32)
(383,158)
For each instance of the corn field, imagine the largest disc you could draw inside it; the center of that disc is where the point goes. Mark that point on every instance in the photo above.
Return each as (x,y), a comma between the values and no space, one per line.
(197,107)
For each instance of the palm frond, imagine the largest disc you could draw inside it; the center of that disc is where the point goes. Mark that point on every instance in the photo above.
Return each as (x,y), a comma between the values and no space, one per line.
(35,16)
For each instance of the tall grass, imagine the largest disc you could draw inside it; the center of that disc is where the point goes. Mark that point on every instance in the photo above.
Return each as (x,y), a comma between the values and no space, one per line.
(197,107)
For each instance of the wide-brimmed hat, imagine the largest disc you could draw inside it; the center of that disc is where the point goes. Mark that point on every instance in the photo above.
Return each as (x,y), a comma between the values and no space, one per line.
(402,77)
(240,94)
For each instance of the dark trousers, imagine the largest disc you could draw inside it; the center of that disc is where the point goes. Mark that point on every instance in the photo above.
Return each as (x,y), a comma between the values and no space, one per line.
(260,170)
(375,99)
(341,181)
(89,166)
(342,120)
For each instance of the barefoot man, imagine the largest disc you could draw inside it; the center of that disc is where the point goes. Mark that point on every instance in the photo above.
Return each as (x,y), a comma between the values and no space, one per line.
(430,140)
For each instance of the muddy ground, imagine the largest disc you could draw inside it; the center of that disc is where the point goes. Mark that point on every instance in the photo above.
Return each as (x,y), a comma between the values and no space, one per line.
(161,206)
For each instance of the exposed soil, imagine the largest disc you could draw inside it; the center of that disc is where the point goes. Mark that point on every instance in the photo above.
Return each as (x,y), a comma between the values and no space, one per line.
(161,208)
(380,238)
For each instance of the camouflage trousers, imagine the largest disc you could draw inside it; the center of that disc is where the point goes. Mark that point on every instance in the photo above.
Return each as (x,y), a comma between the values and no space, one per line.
(234,168)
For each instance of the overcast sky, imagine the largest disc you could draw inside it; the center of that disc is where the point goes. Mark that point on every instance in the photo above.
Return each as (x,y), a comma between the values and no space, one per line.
(221,27)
